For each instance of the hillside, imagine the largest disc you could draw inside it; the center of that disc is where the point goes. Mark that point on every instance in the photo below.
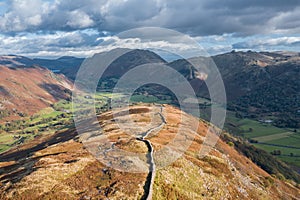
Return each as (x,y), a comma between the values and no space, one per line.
(252,79)
(257,84)
(262,90)
(262,84)
(26,90)
(60,167)
(244,72)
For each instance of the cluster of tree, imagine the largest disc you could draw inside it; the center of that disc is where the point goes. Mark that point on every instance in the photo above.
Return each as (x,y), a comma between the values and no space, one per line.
(107,84)
(14,125)
(23,124)
(287,121)
(61,105)
(276,153)
(103,108)
(252,141)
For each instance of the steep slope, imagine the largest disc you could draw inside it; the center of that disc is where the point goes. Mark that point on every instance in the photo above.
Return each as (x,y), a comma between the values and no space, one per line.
(26,90)
(244,72)
(279,94)
(59,167)
(257,84)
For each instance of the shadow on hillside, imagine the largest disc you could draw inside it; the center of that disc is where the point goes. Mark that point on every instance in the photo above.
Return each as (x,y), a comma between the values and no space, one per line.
(3,91)
(15,172)
(58,92)
(24,163)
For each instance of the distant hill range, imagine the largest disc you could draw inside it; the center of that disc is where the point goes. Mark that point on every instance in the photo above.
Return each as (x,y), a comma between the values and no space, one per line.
(257,83)
(67,65)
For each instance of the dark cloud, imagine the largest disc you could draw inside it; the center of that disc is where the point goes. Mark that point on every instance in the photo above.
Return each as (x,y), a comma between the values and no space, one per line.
(51,44)
(76,27)
(37,15)
(195,17)
(232,16)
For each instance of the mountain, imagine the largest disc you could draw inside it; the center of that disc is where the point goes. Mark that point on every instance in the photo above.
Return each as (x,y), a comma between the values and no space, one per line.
(260,84)
(26,90)
(256,84)
(130,60)
(66,65)
(244,72)
(61,167)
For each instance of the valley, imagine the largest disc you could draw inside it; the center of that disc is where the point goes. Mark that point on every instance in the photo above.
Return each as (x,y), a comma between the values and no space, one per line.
(149,100)
(38,136)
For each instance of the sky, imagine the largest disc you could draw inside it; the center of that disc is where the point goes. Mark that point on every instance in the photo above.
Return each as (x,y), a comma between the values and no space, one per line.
(54,28)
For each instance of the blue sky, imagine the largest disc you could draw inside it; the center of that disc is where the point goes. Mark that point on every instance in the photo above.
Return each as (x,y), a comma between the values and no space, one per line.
(56,28)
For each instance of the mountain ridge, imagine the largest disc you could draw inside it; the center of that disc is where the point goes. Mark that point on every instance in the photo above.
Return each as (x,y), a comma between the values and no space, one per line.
(76,174)
(251,79)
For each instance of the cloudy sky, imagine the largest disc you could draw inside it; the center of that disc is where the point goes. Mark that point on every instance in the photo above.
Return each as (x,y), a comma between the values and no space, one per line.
(53,28)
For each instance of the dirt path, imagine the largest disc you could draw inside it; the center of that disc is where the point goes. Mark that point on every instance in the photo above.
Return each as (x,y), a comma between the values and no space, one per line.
(148,187)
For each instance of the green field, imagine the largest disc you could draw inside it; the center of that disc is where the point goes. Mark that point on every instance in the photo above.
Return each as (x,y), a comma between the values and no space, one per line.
(277,136)
(268,137)
(46,121)
(149,99)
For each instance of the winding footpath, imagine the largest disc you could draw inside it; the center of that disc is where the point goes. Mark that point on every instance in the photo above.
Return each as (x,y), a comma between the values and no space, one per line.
(148,187)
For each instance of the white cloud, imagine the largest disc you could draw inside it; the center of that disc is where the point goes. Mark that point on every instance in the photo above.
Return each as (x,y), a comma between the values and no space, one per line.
(35,20)
(79,19)
(23,15)
(280,41)
(270,43)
